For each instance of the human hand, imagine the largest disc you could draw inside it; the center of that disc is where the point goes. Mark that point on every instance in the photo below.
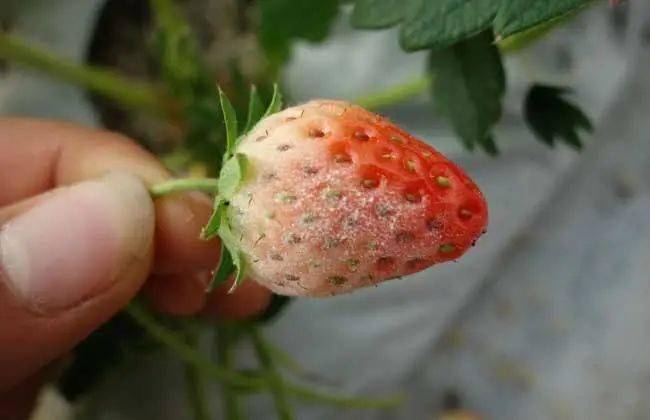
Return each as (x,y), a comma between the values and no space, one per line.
(80,236)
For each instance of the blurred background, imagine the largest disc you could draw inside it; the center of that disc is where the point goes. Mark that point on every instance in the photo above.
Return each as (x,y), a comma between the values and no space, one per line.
(547,318)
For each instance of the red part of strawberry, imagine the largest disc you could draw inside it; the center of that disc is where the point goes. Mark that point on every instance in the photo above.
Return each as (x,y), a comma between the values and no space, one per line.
(338,198)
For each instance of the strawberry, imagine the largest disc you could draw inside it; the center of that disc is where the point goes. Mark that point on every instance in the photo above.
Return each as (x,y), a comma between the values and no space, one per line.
(336,198)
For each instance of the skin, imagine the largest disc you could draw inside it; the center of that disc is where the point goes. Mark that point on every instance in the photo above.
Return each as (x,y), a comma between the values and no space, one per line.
(46,166)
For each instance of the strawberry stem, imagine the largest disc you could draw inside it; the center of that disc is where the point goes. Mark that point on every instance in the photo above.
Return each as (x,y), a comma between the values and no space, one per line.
(274,378)
(206,185)
(286,360)
(121,89)
(316,396)
(249,382)
(186,353)
(394,94)
(195,381)
(224,342)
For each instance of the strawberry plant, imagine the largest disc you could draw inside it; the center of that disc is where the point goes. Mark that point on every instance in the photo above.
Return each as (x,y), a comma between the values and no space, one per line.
(321,198)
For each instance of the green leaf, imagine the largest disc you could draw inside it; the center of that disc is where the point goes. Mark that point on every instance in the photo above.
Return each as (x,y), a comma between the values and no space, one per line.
(488,145)
(232,175)
(230,119)
(255,110)
(284,21)
(524,39)
(441,23)
(377,14)
(226,268)
(276,102)
(211,230)
(519,15)
(469,86)
(552,117)
(434,24)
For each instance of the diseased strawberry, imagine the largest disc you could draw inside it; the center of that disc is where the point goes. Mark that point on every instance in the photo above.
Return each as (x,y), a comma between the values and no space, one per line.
(337,198)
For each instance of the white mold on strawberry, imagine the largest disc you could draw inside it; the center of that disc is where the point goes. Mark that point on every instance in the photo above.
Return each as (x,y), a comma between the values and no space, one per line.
(335,198)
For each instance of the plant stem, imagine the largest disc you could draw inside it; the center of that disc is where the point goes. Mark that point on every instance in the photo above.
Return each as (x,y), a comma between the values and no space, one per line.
(285,359)
(274,378)
(225,357)
(345,401)
(186,353)
(207,185)
(195,383)
(245,383)
(395,94)
(121,89)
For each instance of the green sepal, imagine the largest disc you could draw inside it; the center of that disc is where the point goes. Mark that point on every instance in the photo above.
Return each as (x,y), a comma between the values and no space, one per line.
(230,242)
(255,110)
(232,174)
(230,120)
(276,102)
(225,269)
(240,267)
(211,229)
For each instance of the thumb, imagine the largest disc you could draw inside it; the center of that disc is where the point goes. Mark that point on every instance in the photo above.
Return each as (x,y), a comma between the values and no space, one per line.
(69,262)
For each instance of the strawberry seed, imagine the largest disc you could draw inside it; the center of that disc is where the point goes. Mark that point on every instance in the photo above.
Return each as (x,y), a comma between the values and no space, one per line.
(337,280)
(342,158)
(284,197)
(465,214)
(292,239)
(361,136)
(369,183)
(443,182)
(315,132)
(409,165)
(447,248)
(404,236)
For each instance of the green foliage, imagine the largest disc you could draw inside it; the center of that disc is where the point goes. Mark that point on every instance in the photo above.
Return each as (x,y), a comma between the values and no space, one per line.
(439,24)
(552,117)
(524,39)
(377,14)
(519,15)
(186,77)
(468,88)
(284,21)
(464,62)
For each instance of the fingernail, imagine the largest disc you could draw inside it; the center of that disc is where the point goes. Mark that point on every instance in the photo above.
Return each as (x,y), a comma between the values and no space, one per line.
(74,244)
